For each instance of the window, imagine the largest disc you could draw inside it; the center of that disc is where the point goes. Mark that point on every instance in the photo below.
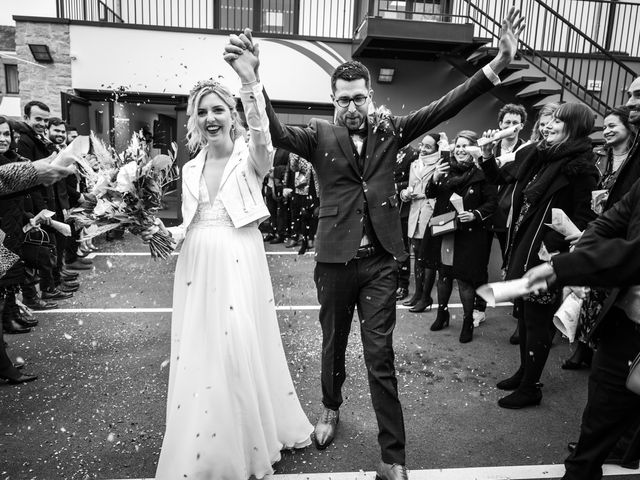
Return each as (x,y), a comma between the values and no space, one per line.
(11,78)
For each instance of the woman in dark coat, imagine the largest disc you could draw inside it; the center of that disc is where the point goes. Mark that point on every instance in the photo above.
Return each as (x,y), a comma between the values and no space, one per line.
(12,272)
(13,217)
(461,254)
(557,172)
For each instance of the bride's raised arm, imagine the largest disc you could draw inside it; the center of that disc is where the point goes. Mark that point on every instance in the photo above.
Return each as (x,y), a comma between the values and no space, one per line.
(242,54)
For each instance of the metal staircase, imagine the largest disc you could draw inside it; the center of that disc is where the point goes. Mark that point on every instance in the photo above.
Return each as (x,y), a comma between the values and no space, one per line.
(557,61)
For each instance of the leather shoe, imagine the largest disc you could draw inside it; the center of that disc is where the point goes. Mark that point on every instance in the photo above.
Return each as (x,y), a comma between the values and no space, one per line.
(38,304)
(391,472)
(70,283)
(326,427)
(78,265)
(522,398)
(86,261)
(56,294)
(26,321)
(22,378)
(11,326)
(275,240)
(401,293)
(68,274)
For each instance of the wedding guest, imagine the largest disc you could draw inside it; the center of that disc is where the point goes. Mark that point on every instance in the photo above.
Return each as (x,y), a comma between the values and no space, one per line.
(618,163)
(554,173)
(359,238)
(33,145)
(605,256)
(231,404)
(510,116)
(461,254)
(16,176)
(420,212)
(404,159)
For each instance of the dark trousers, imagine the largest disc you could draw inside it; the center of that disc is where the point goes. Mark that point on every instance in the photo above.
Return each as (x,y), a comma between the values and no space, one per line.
(536,334)
(610,408)
(405,267)
(370,284)
(272,206)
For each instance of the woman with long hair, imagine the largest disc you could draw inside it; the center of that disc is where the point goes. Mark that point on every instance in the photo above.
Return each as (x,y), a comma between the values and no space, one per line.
(231,406)
(420,212)
(618,162)
(461,254)
(556,172)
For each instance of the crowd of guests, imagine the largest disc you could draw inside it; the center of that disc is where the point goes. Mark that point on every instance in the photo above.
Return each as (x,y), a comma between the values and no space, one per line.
(291,193)
(50,260)
(454,199)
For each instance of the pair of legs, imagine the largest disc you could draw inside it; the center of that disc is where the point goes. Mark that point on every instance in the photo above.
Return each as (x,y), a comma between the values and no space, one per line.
(611,408)
(467,297)
(424,277)
(535,324)
(370,284)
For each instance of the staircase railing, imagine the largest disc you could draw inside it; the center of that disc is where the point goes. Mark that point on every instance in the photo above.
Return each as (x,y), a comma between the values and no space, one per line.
(560,50)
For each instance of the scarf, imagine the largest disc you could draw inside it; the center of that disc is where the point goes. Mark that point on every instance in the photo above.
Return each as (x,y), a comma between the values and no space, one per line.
(459,173)
(426,164)
(549,162)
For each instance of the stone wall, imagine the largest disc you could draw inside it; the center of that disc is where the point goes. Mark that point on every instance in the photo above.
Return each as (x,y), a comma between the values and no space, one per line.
(44,81)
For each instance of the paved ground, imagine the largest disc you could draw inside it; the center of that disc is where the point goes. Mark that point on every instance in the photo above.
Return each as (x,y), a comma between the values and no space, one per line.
(97,410)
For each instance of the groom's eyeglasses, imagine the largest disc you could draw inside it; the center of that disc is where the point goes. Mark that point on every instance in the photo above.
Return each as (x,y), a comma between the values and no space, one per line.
(358,101)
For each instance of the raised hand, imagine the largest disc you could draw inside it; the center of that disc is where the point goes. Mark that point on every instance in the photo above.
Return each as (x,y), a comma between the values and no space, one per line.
(243,56)
(512,27)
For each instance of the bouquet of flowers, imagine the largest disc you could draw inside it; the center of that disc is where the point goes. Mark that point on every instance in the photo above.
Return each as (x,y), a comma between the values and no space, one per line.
(125,190)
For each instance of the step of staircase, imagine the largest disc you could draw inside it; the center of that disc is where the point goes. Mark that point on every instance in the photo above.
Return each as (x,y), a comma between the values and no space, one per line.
(521,77)
(547,87)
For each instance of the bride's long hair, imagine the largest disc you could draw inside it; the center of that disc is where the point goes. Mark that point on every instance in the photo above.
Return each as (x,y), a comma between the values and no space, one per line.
(195,138)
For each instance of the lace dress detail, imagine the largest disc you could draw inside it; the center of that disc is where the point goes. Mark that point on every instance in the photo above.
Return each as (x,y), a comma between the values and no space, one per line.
(208,214)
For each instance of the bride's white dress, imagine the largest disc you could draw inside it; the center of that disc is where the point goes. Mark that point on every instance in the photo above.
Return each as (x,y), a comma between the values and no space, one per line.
(231,405)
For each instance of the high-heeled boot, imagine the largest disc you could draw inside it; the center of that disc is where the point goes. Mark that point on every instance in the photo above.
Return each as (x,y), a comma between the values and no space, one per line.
(442,319)
(419,275)
(425,300)
(466,334)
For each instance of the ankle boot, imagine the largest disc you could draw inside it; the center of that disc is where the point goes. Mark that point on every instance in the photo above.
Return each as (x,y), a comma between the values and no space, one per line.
(9,323)
(12,313)
(524,396)
(512,382)
(442,319)
(466,334)
(581,358)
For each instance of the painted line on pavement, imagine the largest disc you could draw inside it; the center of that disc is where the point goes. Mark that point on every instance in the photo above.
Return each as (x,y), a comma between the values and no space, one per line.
(517,472)
(280,308)
(147,254)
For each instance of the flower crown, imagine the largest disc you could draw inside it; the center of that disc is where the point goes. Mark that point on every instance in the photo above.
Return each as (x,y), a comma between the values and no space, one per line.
(209,83)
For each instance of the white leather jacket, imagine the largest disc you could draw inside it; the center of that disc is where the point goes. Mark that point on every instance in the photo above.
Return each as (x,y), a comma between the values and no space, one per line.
(241,186)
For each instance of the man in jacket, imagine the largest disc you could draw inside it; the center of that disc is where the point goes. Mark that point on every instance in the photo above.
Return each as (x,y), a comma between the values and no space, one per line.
(606,256)
(359,238)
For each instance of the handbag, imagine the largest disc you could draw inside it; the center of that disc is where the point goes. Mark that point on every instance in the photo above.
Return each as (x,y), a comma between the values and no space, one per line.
(443,224)
(633,379)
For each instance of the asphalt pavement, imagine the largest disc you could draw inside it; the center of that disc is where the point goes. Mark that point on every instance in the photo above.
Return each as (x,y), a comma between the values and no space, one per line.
(97,409)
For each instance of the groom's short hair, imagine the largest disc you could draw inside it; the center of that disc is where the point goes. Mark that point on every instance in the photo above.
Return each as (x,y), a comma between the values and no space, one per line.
(350,71)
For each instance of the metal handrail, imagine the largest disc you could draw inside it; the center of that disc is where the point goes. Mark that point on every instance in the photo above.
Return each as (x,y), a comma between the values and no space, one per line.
(571,72)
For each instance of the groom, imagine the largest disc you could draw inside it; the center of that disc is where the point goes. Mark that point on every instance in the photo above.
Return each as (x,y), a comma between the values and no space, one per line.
(359,237)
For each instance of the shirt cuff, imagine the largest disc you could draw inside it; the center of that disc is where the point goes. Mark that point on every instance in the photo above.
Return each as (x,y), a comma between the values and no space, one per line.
(491,75)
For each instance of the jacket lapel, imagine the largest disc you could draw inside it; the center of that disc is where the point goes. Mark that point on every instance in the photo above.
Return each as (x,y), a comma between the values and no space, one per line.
(371,140)
(239,147)
(192,173)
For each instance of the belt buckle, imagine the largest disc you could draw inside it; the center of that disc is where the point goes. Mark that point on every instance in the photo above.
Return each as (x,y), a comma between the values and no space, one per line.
(365,251)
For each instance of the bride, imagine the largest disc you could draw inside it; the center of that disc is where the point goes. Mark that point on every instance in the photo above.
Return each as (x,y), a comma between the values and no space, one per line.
(231,404)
